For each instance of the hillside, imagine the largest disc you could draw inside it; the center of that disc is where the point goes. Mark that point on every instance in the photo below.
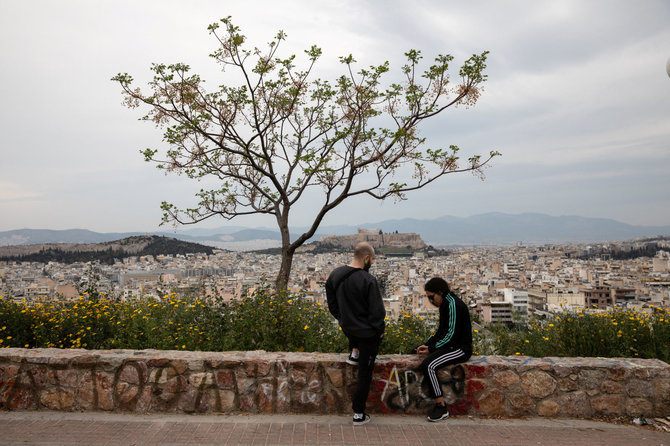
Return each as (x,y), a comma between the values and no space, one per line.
(484,229)
(105,252)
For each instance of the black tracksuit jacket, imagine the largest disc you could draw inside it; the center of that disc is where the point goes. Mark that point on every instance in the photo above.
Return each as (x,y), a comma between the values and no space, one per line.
(455,329)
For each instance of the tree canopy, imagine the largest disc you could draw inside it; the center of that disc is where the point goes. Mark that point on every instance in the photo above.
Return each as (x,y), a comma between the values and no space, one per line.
(278,133)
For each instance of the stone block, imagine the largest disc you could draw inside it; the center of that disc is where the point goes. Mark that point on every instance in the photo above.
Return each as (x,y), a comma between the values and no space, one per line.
(567,385)
(247,403)
(186,402)
(335,376)
(639,388)
(84,360)
(158,362)
(38,375)
(611,387)
(126,395)
(143,401)
(245,385)
(227,401)
(505,379)
(283,402)
(304,401)
(478,370)
(607,404)
(547,408)
(225,379)
(315,384)
(10,371)
(575,404)
(473,386)
(521,404)
(537,384)
(57,399)
(492,403)
(200,379)
(105,389)
(266,397)
(19,397)
(298,377)
(636,407)
(590,379)
(67,378)
(662,397)
(133,372)
(562,371)
(176,384)
(618,373)
(257,367)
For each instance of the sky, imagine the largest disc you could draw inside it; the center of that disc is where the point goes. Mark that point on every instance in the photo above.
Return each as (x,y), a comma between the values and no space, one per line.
(577,101)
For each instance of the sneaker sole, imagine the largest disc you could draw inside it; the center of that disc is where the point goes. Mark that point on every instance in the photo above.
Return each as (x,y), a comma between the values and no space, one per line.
(443,417)
(351,362)
(358,423)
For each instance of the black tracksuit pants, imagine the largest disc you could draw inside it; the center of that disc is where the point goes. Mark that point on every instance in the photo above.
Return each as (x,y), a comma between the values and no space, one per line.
(368,348)
(438,359)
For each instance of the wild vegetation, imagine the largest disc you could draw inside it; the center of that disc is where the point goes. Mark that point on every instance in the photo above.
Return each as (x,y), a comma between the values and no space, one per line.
(107,252)
(285,321)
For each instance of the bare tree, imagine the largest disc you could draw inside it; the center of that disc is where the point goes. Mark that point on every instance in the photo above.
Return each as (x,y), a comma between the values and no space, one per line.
(277,134)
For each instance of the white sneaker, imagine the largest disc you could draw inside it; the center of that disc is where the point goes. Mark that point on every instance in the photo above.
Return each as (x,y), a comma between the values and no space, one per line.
(362,420)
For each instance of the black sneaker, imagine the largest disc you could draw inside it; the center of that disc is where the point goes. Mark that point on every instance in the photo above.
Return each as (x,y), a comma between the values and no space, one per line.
(363,420)
(438,413)
(351,360)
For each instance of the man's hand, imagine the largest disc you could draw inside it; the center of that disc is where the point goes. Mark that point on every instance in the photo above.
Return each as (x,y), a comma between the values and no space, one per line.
(422,350)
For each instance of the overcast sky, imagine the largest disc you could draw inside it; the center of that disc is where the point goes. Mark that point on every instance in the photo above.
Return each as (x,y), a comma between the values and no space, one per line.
(577,101)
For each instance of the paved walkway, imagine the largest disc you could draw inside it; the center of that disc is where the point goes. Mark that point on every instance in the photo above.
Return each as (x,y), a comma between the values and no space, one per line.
(62,428)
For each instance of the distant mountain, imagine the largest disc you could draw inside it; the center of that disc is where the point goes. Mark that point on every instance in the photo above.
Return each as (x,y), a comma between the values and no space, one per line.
(34,236)
(105,252)
(484,229)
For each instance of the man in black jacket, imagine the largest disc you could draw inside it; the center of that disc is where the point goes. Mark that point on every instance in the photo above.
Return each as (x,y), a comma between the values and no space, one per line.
(451,343)
(355,301)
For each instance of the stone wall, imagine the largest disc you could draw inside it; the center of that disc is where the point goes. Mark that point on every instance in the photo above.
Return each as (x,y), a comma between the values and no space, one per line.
(259,382)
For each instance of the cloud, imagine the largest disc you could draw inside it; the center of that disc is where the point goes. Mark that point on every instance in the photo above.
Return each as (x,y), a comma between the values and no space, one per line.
(14,192)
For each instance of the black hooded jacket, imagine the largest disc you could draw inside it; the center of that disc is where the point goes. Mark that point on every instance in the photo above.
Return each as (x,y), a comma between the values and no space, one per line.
(355,301)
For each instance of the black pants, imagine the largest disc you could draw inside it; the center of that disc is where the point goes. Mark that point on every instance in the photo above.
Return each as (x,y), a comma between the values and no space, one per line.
(368,348)
(438,359)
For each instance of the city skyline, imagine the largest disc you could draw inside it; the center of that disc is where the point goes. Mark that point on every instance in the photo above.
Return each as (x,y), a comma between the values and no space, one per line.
(576,102)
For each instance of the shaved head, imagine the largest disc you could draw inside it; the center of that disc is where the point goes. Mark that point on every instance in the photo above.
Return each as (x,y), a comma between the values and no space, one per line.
(363,249)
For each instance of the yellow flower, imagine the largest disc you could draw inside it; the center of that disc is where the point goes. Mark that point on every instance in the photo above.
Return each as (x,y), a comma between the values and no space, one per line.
(306,327)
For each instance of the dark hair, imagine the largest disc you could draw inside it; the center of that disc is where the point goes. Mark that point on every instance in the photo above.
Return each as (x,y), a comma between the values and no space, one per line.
(437,285)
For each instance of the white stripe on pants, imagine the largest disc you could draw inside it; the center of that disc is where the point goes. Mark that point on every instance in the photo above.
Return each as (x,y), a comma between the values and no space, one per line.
(430,368)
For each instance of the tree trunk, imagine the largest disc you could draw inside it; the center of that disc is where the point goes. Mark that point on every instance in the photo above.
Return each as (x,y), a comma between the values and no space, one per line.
(285,270)
(287,251)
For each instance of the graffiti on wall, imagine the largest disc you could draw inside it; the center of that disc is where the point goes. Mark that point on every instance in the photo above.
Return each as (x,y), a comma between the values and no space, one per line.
(168,386)
(404,390)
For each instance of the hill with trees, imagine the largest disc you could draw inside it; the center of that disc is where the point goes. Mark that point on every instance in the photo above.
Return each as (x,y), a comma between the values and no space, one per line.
(106,252)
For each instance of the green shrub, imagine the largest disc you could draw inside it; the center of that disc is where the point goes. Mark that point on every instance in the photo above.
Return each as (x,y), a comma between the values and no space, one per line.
(616,333)
(404,334)
(283,321)
(287,321)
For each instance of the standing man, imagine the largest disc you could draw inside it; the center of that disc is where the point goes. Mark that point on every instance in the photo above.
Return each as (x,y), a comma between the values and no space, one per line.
(451,343)
(355,301)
